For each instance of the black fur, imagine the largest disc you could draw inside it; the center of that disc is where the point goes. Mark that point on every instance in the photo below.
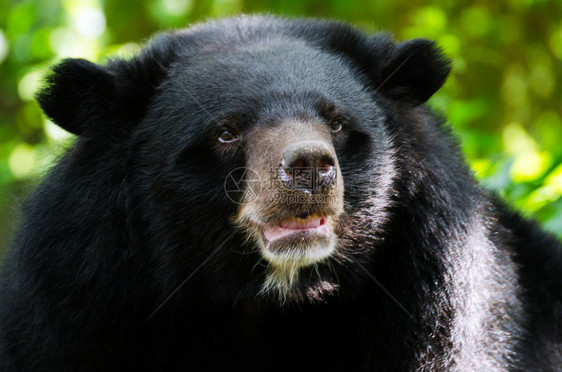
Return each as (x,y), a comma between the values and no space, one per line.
(128,259)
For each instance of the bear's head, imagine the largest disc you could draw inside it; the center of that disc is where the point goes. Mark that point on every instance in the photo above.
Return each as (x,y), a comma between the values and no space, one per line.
(259,152)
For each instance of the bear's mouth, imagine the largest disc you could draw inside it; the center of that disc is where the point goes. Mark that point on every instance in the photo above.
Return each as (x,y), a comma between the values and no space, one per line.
(298,241)
(313,224)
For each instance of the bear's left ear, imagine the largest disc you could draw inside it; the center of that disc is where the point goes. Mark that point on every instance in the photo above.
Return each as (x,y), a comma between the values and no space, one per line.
(412,71)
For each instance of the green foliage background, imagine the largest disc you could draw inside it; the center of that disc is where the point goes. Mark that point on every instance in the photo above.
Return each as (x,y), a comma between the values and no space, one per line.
(503,96)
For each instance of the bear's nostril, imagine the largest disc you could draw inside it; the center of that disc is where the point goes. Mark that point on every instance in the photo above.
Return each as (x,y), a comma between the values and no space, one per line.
(325,164)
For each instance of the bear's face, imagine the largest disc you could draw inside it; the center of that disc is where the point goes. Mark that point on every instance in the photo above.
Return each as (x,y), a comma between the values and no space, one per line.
(267,151)
(269,139)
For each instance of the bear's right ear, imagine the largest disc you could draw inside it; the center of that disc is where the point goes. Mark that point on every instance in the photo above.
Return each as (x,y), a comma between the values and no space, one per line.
(79,94)
(86,99)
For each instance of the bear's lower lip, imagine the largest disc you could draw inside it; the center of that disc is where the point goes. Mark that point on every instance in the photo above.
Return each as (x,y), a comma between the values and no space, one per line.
(313,225)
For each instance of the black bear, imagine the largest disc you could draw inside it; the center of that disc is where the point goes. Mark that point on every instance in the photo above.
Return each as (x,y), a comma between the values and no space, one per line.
(264,194)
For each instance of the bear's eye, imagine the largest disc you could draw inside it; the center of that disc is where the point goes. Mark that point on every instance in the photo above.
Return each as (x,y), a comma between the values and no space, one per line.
(336,125)
(228,135)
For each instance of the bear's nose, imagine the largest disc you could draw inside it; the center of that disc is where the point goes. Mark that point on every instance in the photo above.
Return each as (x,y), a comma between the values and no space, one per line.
(308,166)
